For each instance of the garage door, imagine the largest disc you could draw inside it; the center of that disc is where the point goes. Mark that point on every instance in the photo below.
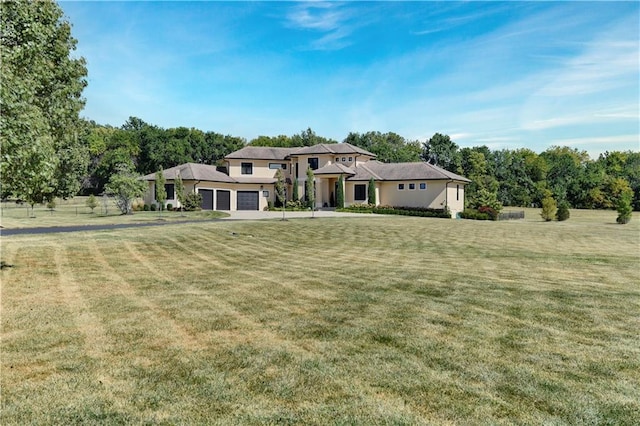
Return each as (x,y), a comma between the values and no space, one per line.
(223,200)
(248,200)
(207,199)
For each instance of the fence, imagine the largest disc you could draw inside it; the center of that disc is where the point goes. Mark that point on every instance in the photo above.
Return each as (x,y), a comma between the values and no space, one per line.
(511,215)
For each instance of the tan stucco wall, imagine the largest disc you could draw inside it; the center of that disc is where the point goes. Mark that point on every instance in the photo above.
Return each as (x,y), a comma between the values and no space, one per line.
(433,197)
(260,168)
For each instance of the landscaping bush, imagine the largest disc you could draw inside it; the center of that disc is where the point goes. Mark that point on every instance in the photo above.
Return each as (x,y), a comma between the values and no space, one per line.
(563,211)
(146,207)
(549,207)
(492,213)
(403,211)
(170,207)
(153,207)
(474,215)
(192,202)
(624,209)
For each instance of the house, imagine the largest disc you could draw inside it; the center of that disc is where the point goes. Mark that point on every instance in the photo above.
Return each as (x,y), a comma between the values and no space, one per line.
(249,183)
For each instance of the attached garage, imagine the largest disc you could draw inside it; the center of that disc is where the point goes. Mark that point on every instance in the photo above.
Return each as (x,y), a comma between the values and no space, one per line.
(207,199)
(248,200)
(223,200)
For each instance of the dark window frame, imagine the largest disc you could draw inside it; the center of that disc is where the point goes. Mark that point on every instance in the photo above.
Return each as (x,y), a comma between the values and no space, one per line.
(401,187)
(313,161)
(360,192)
(423,186)
(170,190)
(246,168)
(412,187)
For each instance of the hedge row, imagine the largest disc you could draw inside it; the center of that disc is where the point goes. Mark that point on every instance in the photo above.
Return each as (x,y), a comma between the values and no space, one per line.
(404,211)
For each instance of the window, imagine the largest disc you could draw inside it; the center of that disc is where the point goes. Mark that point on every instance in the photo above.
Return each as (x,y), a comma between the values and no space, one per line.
(350,159)
(412,186)
(344,159)
(169,189)
(247,168)
(360,192)
(265,194)
(423,186)
(278,166)
(401,187)
(337,159)
(313,163)
(457,192)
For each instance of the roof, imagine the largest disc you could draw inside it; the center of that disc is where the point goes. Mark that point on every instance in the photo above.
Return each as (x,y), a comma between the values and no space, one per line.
(193,171)
(403,171)
(334,169)
(331,148)
(261,153)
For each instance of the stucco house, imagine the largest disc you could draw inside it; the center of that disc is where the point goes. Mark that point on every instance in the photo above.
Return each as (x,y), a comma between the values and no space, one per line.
(249,183)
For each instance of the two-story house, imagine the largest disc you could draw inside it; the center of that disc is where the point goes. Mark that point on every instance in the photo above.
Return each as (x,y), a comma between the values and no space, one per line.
(249,183)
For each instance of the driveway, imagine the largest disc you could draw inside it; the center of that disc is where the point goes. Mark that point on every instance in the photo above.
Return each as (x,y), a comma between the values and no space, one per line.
(233,215)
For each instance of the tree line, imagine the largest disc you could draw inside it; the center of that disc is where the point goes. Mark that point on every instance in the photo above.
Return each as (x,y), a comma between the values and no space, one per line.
(48,151)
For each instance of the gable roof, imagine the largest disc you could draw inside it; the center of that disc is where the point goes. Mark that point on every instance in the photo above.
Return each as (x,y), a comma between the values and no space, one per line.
(193,171)
(403,171)
(332,148)
(260,153)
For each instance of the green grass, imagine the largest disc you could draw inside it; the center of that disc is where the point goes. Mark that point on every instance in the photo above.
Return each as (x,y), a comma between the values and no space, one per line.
(361,320)
(75,212)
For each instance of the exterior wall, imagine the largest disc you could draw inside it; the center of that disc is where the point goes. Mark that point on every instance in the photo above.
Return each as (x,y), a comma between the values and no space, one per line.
(433,197)
(455,198)
(350,192)
(260,168)
(303,163)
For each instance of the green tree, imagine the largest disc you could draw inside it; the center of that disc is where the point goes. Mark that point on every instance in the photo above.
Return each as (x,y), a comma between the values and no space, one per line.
(624,208)
(281,194)
(41,97)
(296,190)
(549,207)
(340,193)
(563,212)
(179,189)
(372,192)
(91,202)
(310,190)
(161,192)
(388,147)
(443,152)
(125,185)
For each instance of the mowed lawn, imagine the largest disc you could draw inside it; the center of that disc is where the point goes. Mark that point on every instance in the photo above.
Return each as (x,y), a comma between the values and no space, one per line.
(363,320)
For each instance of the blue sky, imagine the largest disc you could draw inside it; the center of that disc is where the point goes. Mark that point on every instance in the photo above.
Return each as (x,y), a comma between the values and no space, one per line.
(505,75)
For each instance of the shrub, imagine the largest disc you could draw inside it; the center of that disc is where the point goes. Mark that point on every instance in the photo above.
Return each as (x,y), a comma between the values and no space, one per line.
(51,204)
(624,209)
(146,207)
(153,207)
(549,207)
(474,215)
(493,214)
(169,207)
(192,202)
(563,211)
(91,202)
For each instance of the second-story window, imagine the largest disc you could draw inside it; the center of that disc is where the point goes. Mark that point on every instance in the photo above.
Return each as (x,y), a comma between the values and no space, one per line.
(246,168)
(313,163)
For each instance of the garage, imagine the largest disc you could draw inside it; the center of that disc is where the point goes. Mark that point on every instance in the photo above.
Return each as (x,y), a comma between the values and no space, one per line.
(223,200)
(248,200)
(207,199)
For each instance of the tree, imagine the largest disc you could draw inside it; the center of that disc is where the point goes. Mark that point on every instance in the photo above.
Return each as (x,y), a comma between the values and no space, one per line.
(281,194)
(161,192)
(125,185)
(340,193)
(549,207)
(179,189)
(296,190)
(443,152)
(91,202)
(372,192)
(41,96)
(624,209)
(310,190)
(563,211)
(388,147)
